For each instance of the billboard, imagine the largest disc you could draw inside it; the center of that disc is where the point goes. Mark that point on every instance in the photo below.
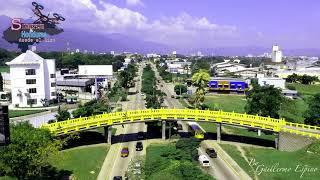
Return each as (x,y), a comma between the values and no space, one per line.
(95,70)
(4,126)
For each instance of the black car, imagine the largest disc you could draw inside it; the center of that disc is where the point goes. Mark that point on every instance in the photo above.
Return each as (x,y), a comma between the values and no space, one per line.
(211,152)
(117,178)
(140,135)
(139,146)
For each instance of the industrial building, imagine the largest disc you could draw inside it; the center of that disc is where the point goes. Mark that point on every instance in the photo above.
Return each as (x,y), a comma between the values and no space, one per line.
(228,85)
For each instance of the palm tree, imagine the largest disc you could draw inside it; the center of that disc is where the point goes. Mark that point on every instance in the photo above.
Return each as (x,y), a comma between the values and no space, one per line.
(200,80)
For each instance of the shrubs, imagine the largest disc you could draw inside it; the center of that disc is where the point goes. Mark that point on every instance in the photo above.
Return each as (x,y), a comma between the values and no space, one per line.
(174,161)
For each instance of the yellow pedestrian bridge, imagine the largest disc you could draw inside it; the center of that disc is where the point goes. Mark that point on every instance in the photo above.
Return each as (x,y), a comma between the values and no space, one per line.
(220,117)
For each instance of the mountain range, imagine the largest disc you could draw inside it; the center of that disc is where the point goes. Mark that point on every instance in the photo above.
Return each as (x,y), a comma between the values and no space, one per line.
(90,41)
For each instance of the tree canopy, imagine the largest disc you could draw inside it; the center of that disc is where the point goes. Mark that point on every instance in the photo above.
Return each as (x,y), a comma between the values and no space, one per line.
(180,89)
(200,80)
(312,114)
(29,153)
(264,101)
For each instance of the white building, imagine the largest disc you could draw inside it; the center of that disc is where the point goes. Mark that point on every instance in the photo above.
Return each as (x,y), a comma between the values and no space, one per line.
(276,82)
(276,54)
(174,52)
(77,50)
(179,67)
(33,79)
(112,52)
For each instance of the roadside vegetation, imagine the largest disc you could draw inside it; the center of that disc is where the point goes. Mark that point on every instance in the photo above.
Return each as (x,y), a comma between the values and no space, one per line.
(154,97)
(174,161)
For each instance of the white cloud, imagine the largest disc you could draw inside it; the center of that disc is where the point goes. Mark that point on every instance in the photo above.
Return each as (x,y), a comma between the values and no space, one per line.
(134,2)
(183,30)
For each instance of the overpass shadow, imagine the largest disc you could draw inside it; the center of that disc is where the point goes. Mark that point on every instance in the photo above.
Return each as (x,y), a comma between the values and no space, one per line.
(82,138)
(242,139)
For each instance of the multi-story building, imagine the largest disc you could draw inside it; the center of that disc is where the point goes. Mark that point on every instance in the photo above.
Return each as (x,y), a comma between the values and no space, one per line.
(33,80)
(276,54)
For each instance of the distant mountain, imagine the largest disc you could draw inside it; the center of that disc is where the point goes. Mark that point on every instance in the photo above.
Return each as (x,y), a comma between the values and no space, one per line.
(91,41)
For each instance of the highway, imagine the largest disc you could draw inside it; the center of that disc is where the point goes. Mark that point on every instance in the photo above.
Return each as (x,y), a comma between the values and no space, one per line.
(219,169)
(114,164)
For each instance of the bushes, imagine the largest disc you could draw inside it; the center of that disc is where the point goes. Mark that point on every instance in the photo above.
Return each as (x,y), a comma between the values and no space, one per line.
(180,89)
(174,162)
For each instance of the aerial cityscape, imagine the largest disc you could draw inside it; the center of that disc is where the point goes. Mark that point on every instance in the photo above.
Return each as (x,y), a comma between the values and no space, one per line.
(159,90)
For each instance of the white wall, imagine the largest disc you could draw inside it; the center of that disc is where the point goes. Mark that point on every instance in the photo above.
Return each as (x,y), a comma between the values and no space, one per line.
(276,82)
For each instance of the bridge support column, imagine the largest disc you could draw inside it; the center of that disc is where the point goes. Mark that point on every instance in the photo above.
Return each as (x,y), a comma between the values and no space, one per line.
(276,141)
(108,133)
(259,132)
(218,132)
(163,130)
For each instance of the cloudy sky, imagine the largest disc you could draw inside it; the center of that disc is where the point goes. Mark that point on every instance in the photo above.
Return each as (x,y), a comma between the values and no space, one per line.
(190,23)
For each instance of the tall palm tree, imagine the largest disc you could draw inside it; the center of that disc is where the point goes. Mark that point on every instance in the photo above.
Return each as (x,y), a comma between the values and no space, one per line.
(200,80)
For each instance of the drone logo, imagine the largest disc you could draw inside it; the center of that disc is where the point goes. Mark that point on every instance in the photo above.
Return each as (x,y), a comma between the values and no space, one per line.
(25,34)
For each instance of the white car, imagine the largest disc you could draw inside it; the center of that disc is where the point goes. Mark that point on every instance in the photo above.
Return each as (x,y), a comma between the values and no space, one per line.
(204,161)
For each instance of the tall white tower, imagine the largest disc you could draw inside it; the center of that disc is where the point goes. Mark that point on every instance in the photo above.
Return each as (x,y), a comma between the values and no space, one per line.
(276,54)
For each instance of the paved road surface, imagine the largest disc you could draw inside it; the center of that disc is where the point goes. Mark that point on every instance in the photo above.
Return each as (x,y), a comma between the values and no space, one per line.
(38,120)
(114,164)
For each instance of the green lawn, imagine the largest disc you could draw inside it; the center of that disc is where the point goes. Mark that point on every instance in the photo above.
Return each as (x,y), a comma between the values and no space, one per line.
(292,162)
(7,178)
(85,162)
(228,102)
(246,133)
(212,128)
(293,110)
(17,113)
(306,89)
(183,103)
(4,69)
(208,127)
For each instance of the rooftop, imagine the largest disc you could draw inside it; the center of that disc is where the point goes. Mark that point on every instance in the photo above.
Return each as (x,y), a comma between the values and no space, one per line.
(28,57)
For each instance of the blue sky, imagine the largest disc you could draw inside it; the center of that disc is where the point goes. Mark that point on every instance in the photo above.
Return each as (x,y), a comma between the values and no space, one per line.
(191,23)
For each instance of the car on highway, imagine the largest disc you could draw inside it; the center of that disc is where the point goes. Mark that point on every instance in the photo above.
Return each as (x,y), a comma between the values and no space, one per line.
(204,161)
(125,152)
(140,135)
(117,178)
(211,152)
(139,146)
(142,94)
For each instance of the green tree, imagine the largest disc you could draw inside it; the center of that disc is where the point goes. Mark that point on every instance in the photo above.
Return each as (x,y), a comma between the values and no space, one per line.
(180,89)
(198,65)
(312,115)
(62,115)
(200,80)
(30,152)
(293,78)
(264,101)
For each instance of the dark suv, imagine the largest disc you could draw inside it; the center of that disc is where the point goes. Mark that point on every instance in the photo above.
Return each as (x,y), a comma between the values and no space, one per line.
(139,146)
(211,152)
(140,135)
(117,178)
